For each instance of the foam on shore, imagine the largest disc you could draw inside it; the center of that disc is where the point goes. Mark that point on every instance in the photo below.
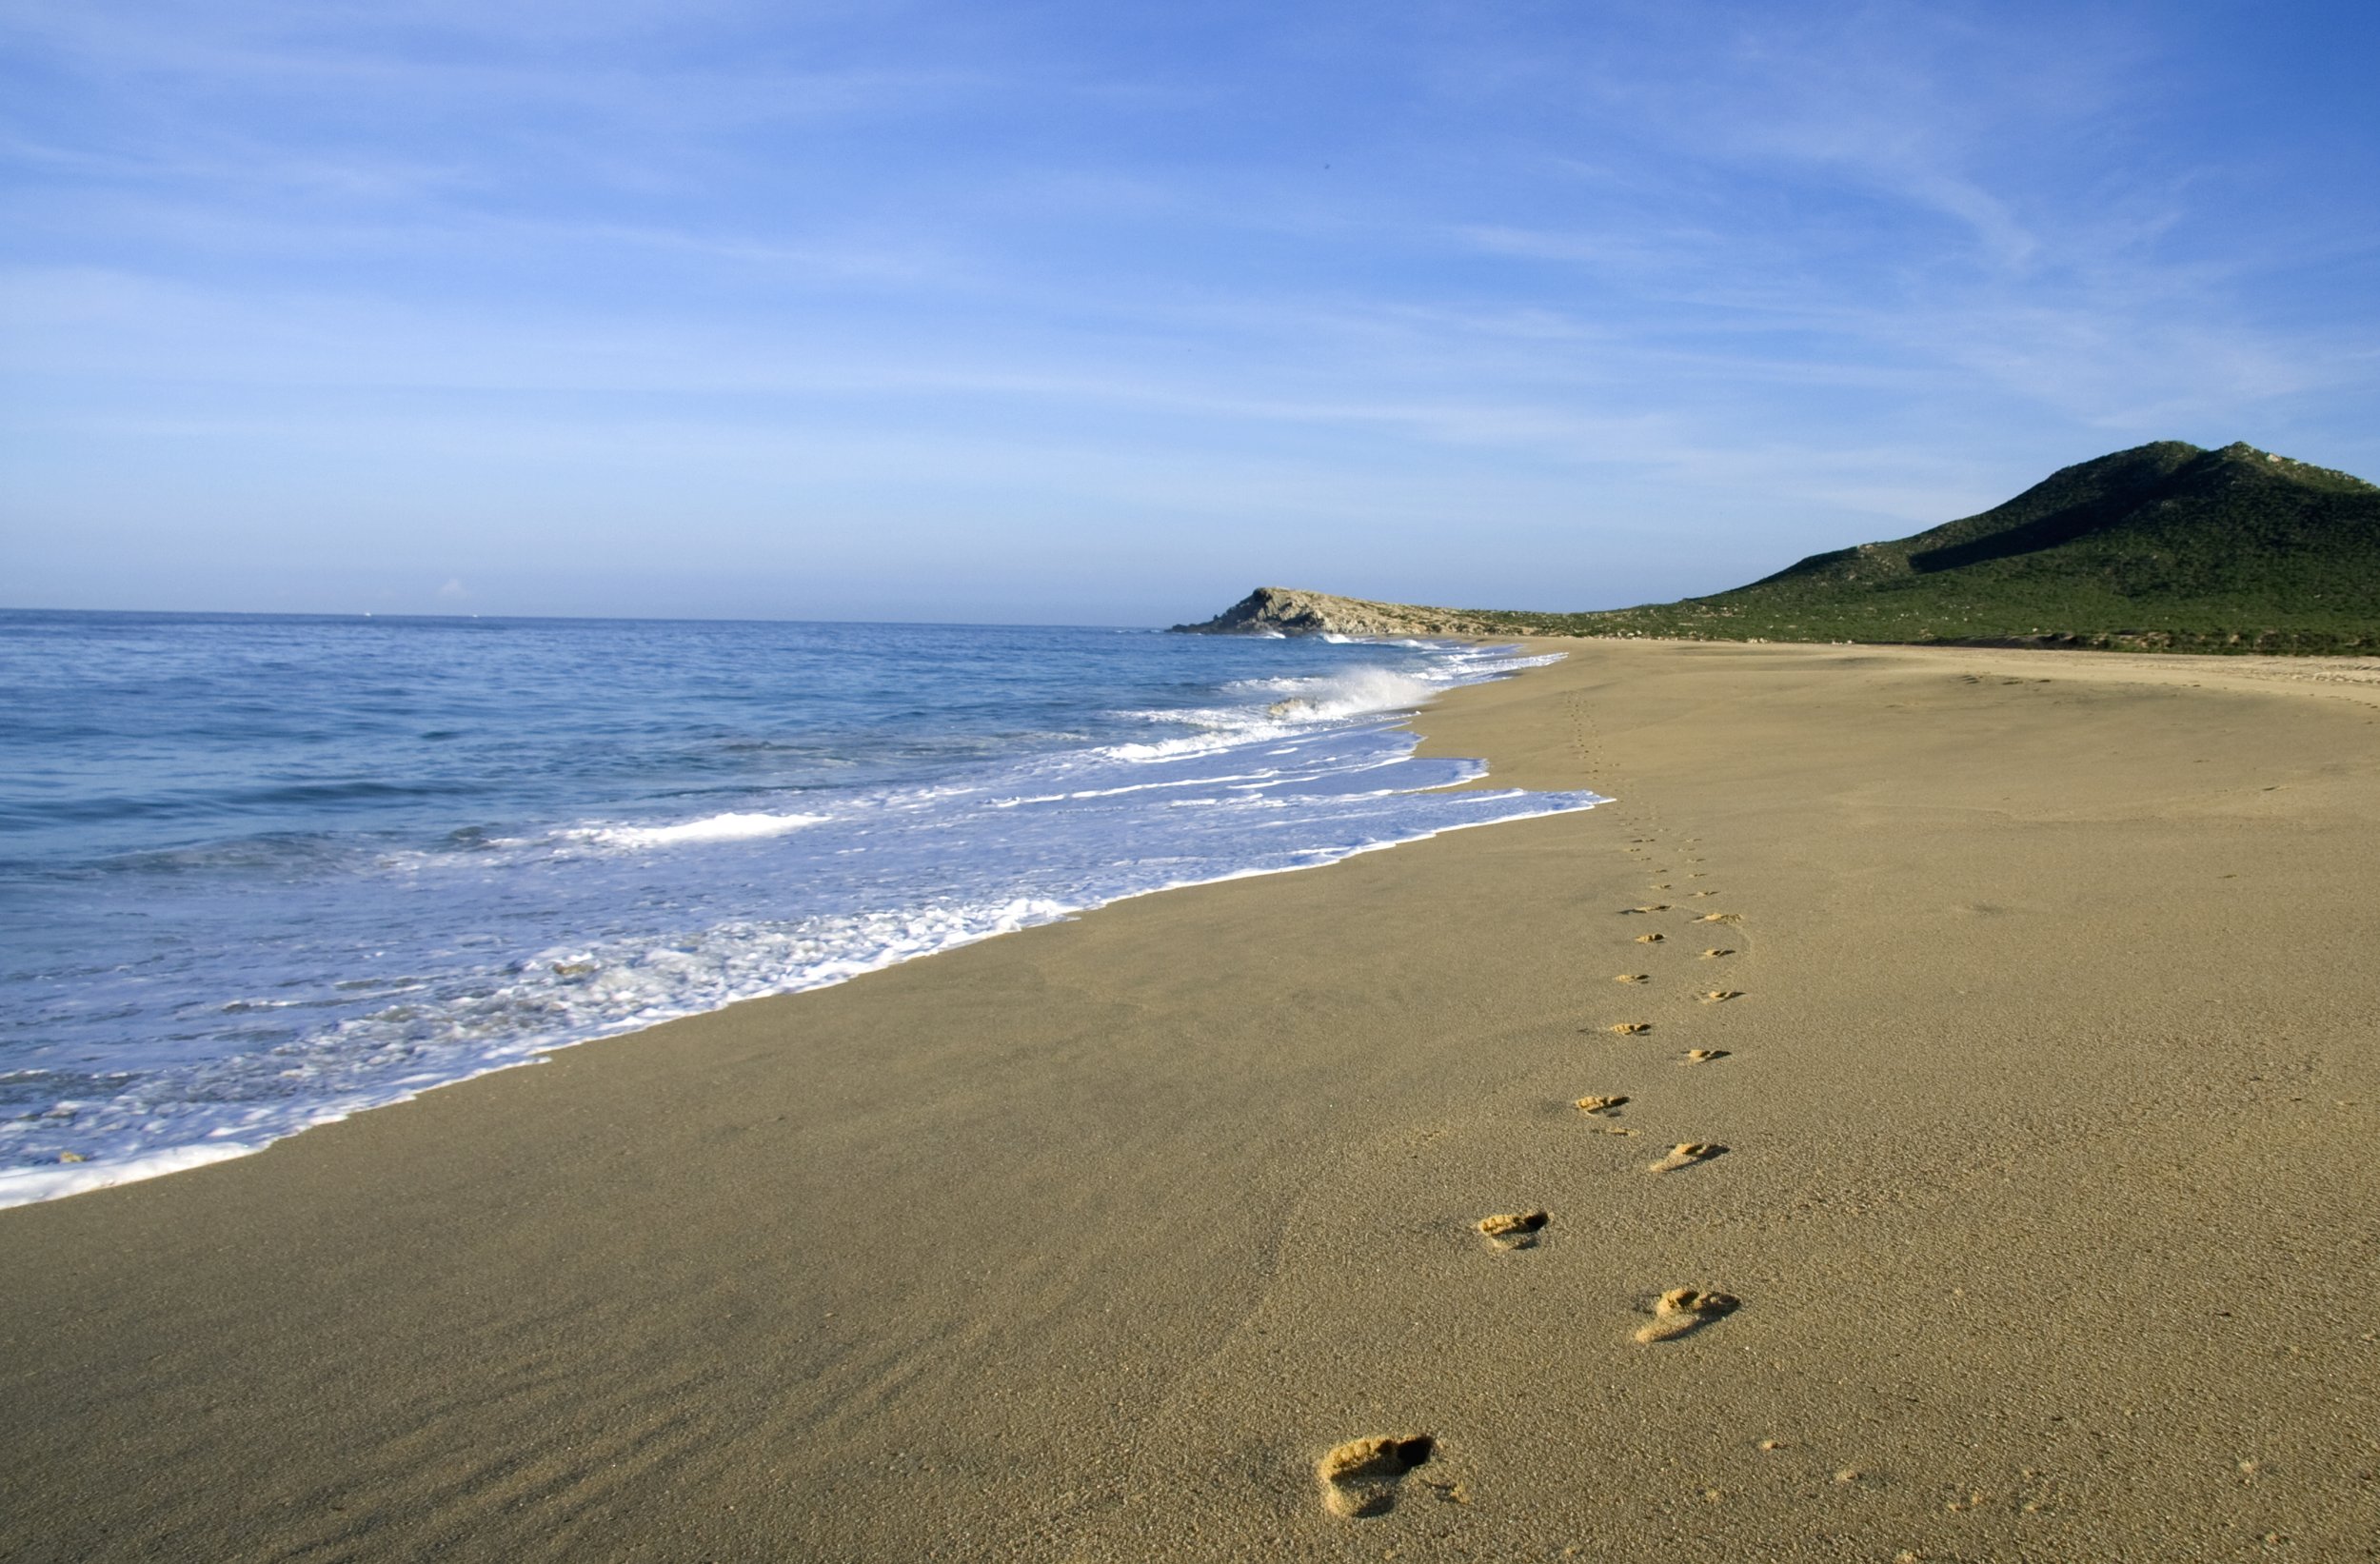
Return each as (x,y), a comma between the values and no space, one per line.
(420,967)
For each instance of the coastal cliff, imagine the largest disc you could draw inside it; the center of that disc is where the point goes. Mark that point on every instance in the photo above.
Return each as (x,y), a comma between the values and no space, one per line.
(1282,610)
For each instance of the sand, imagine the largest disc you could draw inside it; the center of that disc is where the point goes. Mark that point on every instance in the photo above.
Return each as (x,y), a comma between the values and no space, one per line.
(2033,1209)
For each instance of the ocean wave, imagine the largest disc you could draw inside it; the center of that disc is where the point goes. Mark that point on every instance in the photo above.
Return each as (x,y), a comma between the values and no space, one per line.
(24,1186)
(293,982)
(1358,692)
(1278,707)
(163,1122)
(732,826)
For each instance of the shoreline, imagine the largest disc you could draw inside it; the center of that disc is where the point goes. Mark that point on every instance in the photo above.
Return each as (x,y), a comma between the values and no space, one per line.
(2047,1098)
(40,1183)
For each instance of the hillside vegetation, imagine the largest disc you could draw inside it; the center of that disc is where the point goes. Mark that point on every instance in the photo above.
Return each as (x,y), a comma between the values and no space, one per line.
(2163,547)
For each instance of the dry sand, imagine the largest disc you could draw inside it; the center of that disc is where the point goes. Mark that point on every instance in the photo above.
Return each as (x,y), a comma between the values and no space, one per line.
(2035,1151)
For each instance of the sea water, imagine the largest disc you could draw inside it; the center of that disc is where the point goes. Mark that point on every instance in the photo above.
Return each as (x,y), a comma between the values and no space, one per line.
(258,873)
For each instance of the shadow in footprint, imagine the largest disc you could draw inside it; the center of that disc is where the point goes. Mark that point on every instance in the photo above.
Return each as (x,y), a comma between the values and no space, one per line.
(1359,1478)
(1514,1228)
(1682,1311)
(1685,1155)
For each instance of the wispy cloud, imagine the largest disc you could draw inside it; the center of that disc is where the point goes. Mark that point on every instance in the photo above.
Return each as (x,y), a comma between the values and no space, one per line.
(1714,266)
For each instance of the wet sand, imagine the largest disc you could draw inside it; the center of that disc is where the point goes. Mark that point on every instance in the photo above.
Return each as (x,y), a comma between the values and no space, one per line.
(2033,1209)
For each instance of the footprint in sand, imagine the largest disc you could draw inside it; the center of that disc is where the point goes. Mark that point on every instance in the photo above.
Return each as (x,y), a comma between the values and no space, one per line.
(1514,1228)
(1685,1155)
(1651,939)
(1633,978)
(1720,996)
(1631,912)
(1720,918)
(1702,893)
(1682,1311)
(1630,1029)
(1714,953)
(1600,1104)
(1359,1478)
(1704,1056)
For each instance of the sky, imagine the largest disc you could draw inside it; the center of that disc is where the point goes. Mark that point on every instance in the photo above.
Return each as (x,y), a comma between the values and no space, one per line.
(1085,314)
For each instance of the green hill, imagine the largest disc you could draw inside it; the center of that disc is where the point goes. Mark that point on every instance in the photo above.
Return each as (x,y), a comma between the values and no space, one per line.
(2165,545)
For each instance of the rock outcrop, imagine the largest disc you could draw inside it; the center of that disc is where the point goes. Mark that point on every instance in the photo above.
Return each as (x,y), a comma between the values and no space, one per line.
(1282,610)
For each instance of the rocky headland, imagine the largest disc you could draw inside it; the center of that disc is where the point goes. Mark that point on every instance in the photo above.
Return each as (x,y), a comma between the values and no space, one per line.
(1285,610)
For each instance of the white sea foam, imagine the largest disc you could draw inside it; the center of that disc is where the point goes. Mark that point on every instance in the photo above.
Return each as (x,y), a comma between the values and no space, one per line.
(1175,750)
(23,1186)
(1285,772)
(727,827)
(1283,707)
(167,1121)
(1355,693)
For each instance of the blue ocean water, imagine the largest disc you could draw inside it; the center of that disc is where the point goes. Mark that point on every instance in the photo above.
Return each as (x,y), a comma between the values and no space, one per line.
(258,873)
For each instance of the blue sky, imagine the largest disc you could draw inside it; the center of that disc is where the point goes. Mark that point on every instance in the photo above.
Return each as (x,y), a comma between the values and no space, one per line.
(1097,313)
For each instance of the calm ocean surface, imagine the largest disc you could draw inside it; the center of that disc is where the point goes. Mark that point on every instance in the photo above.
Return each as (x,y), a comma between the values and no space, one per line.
(257,873)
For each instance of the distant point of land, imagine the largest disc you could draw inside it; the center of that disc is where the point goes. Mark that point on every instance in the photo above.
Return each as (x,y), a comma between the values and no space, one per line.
(2163,547)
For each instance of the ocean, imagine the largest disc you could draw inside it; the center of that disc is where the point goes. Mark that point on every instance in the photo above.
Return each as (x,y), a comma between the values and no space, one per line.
(258,873)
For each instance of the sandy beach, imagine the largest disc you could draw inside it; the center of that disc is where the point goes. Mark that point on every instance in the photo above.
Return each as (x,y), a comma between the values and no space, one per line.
(2017,1007)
